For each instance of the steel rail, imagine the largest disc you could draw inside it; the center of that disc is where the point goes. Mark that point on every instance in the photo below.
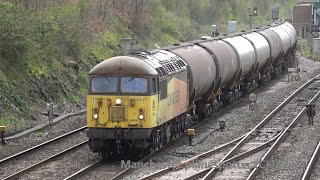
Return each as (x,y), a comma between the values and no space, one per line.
(213,170)
(235,158)
(123,173)
(188,161)
(282,137)
(42,144)
(312,162)
(84,170)
(28,169)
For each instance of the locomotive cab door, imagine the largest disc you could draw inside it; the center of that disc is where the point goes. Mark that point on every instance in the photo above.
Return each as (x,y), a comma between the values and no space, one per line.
(155,98)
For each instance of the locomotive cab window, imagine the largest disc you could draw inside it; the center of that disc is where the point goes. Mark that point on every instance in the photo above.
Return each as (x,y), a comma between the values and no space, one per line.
(104,84)
(134,85)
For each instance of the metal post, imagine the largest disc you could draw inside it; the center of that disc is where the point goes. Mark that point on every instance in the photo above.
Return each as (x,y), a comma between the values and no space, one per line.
(190,140)
(2,131)
(50,112)
(2,138)
(310,113)
(222,125)
(250,21)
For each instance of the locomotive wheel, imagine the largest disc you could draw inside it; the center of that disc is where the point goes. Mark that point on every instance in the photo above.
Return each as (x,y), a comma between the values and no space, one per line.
(231,97)
(208,110)
(268,76)
(254,85)
(249,87)
(148,151)
(215,106)
(156,139)
(236,94)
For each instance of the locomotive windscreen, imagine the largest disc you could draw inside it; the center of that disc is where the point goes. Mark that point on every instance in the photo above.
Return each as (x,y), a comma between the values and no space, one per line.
(107,84)
(104,84)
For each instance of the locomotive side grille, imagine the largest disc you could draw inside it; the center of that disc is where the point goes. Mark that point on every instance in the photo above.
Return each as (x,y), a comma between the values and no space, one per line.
(118,113)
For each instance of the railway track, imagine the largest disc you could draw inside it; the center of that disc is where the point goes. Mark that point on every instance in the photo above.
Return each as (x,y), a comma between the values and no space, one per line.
(314,158)
(271,131)
(32,158)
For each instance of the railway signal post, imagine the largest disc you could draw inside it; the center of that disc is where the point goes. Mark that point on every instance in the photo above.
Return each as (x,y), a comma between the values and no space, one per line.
(254,13)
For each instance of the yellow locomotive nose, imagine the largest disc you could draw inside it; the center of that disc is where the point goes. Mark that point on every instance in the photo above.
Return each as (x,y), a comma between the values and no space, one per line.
(112,111)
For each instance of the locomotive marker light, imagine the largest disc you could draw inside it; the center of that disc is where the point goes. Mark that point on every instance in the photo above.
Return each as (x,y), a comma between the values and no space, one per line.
(118,101)
(310,113)
(2,131)
(190,133)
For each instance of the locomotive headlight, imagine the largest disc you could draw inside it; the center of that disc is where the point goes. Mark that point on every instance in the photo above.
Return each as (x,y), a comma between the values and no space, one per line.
(141,116)
(95,116)
(118,101)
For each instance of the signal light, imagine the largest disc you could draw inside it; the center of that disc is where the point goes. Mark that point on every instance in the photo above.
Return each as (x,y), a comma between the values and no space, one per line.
(255,11)
(141,110)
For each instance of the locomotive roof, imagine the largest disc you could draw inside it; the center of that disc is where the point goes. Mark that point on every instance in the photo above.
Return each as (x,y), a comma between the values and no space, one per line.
(123,65)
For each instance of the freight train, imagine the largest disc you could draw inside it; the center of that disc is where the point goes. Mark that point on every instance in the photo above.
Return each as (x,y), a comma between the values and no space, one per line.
(139,102)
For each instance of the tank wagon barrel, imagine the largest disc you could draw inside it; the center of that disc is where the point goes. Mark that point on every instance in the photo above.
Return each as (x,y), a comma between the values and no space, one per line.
(245,52)
(275,44)
(261,48)
(226,60)
(201,69)
(285,38)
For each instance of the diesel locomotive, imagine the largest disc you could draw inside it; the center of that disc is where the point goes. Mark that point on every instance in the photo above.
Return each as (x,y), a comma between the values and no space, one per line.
(139,102)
